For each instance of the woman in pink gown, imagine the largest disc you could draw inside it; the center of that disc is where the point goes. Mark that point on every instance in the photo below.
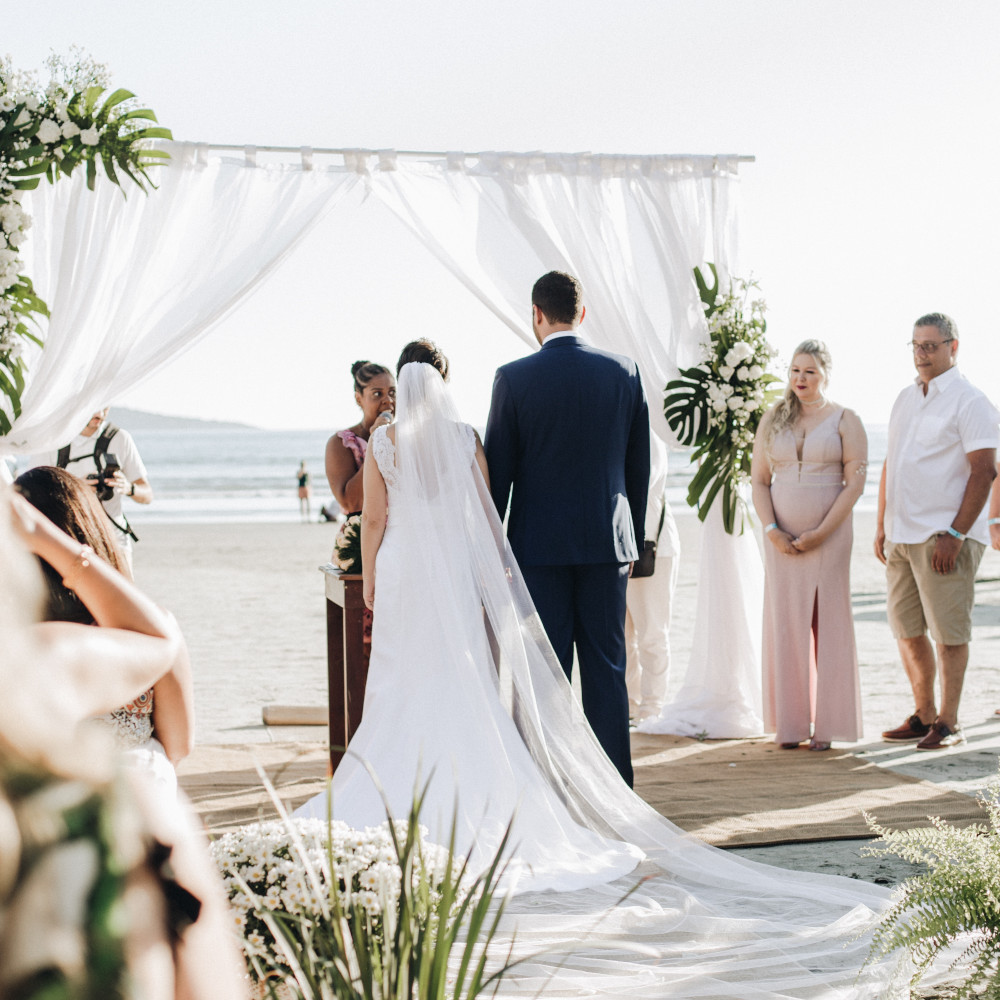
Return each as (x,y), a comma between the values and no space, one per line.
(809,463)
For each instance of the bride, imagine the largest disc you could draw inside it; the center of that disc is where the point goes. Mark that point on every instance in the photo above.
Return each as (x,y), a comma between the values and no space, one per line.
(465,692)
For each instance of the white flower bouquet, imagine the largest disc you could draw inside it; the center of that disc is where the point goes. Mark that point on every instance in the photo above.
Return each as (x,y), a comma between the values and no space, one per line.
(716,406)
(309,871)
(347,545)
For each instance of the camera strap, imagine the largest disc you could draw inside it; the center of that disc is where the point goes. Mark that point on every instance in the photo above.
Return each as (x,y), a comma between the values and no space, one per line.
(101,445)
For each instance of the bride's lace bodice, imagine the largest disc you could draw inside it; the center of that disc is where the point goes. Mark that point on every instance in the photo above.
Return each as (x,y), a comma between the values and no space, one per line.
(132,724)
(384,452)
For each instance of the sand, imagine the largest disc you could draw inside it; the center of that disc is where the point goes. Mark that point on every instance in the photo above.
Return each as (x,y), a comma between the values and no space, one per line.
(250,600)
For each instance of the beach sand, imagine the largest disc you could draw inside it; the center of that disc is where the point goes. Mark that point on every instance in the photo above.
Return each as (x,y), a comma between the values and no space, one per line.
(250,600)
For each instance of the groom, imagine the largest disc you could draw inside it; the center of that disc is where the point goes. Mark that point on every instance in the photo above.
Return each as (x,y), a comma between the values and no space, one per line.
(569,430)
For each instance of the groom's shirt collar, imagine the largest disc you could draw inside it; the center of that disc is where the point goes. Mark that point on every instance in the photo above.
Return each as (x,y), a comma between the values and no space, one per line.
(561,333)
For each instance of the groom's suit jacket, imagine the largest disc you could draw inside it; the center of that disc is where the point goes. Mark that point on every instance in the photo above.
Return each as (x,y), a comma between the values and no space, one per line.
(569,431)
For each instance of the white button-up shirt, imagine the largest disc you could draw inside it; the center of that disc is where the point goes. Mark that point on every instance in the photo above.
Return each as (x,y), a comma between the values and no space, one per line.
(926,465)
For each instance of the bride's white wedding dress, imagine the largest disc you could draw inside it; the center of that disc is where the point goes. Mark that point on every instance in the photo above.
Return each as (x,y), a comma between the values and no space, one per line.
(464,689)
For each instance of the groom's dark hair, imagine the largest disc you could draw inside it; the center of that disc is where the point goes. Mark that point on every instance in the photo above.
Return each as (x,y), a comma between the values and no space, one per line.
(559,296)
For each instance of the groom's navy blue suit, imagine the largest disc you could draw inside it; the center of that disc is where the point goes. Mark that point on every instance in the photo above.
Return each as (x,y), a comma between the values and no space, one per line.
(569,431)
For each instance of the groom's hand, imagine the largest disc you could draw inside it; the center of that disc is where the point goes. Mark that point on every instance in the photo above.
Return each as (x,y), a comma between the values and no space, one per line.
(631,566)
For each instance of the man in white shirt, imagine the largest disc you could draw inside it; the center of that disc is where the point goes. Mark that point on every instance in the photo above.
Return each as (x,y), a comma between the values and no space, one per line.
(130,480)
(932,531)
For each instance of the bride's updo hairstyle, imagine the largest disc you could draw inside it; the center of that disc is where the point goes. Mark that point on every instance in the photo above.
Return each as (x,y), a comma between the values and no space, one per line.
(789,408)
(72,506)
(424,352)
(364,372)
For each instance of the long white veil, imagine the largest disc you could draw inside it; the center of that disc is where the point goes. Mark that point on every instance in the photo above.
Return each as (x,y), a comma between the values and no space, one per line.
(715,925)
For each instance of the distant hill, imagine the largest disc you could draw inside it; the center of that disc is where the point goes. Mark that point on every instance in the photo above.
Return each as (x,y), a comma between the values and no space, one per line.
(139,420)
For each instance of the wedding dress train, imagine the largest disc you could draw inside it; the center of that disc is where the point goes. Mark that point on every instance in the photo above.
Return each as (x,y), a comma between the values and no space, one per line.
(465,689)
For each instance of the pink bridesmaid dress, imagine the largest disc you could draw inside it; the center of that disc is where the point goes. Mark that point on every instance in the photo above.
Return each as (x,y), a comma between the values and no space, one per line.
(809,654)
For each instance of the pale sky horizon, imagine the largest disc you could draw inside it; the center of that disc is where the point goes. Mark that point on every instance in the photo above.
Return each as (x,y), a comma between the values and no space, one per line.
(870,201)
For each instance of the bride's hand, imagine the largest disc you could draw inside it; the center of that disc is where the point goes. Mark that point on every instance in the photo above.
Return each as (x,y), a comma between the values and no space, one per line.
(368,592)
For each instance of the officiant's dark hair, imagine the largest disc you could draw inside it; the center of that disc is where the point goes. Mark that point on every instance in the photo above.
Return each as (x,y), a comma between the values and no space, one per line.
(559,296)
(425,352)
(365,371)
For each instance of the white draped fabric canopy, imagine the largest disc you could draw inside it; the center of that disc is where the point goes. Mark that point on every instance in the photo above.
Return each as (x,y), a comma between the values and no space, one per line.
(133,282)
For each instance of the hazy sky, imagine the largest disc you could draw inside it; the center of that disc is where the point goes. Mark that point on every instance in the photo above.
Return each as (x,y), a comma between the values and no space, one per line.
(873,198)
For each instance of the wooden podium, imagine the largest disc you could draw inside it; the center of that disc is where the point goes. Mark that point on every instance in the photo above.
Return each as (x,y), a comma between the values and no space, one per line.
(346,657)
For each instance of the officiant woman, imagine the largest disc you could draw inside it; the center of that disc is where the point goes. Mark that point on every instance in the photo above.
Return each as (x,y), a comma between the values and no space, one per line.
(809,462)
(375,394)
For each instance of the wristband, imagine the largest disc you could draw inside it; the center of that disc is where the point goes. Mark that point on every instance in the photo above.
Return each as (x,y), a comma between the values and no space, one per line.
(131,490)
(993,520)
(956,534)
(770,527)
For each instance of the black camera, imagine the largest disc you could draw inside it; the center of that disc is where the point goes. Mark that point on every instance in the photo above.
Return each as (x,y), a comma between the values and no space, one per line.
(111,466)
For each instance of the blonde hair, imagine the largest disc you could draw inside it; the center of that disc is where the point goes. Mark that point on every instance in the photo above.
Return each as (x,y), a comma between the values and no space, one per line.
(789,409)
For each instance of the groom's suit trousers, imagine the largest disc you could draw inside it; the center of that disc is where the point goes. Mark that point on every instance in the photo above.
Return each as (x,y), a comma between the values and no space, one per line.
(585,605)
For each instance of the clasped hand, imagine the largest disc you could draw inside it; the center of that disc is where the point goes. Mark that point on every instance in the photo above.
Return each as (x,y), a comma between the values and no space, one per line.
(789,546)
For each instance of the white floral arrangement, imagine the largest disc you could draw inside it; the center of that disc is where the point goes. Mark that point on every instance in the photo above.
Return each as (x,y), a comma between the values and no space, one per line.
(347,546)
(284,867)
(716,406)
(49,133)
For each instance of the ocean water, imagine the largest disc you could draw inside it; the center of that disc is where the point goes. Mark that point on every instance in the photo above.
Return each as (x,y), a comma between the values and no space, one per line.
(245,474)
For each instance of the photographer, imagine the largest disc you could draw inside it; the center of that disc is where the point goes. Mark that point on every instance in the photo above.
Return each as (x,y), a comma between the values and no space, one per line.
(108,460)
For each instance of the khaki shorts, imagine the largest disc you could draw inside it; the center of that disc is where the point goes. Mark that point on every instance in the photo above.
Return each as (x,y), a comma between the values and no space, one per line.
(922,600)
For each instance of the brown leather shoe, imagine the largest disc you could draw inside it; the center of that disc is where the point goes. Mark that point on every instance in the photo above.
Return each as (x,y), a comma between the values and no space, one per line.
(910,731)
(940,737)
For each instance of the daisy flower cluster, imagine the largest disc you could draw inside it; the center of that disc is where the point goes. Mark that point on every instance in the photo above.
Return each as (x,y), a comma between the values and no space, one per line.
(716,406)
(290,868)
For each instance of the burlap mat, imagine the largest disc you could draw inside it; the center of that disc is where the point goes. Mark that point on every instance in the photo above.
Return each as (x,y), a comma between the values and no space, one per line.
(751,792)
(727,792)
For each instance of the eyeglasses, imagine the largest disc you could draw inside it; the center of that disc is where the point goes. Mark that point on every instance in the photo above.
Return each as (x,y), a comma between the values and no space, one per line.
(927,346)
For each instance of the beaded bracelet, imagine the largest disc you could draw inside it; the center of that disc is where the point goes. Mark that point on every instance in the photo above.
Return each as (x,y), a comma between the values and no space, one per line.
(79,564)
(770,527)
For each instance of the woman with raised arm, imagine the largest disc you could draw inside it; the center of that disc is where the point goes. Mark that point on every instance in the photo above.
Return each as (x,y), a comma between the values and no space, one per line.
(105,888)
(809,462)
(156,729)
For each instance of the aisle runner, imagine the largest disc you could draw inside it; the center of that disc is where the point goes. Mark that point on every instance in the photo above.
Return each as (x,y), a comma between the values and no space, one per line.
(735,793)
(728,792)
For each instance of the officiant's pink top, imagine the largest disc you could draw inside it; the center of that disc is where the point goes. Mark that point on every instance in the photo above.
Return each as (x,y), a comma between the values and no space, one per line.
(804,684)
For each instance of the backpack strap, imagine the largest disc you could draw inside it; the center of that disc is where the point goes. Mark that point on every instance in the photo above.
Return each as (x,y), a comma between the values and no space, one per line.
(62,459)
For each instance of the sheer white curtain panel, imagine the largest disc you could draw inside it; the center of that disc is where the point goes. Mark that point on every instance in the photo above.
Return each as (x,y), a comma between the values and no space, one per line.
(631,228)
(132,282)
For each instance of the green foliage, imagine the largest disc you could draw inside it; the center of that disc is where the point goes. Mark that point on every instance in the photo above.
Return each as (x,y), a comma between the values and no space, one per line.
(716,406)
(73,123)
(954,906)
